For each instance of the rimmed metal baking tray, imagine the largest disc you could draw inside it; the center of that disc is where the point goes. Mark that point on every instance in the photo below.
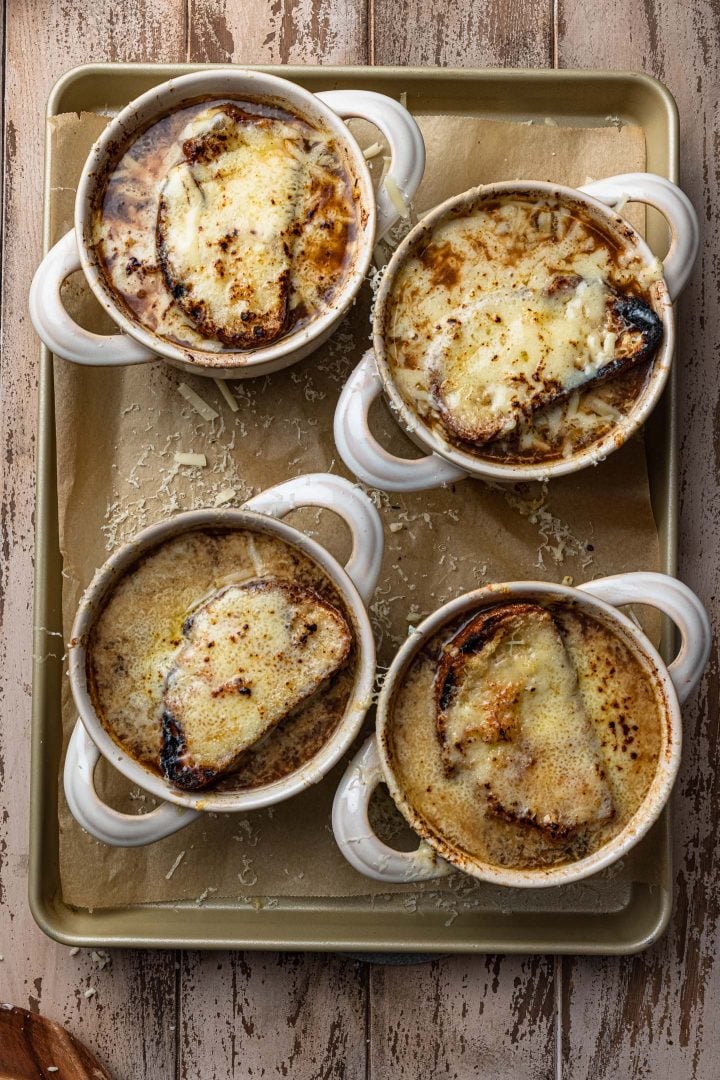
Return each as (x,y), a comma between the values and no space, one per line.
(350,924)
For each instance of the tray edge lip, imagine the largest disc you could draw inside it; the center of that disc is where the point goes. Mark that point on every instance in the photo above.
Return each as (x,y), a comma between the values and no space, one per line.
(441,74)
(40,908)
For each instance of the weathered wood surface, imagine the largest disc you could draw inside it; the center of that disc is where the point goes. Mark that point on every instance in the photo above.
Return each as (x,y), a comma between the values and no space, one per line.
(126,1022)
(657,1015)
(201,1017)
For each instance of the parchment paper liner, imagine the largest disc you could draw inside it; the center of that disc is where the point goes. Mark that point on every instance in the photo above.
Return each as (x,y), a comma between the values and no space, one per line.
(117,431)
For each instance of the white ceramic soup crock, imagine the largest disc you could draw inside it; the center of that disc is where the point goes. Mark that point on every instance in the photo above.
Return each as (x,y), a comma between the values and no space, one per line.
(436,857)
(355,583)
(136,344)
(444,462)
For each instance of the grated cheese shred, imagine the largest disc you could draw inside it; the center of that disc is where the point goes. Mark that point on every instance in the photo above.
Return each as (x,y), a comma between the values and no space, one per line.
(206,411)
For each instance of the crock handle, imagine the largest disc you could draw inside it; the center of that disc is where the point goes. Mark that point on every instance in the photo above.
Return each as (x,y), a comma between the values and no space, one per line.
(99,819)
(364,455)
(407,148)
(354,507)
(356,838)
(679,603)
(59,332)
(675,207)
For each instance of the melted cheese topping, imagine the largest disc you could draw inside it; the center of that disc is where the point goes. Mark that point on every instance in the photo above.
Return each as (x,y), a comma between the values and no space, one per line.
(224,227)
(622,705)
(251,654)
(504,308)
(516,722)
(135,642)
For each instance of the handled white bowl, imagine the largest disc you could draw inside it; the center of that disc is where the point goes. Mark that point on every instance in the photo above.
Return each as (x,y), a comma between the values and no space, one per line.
(444,462)
(435,857)
(136,344)
(355,583)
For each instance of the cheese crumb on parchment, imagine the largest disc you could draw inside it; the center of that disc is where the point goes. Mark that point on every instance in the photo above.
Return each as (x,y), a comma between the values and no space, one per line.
(226,393)
(190,459)
(206,411)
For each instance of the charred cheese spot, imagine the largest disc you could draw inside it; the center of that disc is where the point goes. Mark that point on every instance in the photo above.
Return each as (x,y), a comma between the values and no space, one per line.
(503,313)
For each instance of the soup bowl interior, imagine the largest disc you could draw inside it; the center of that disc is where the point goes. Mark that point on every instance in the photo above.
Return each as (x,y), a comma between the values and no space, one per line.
(122,562)
(171,97)
(670,733)
(429,436)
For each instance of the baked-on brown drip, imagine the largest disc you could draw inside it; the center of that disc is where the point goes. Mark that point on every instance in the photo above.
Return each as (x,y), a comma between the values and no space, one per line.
(620,696)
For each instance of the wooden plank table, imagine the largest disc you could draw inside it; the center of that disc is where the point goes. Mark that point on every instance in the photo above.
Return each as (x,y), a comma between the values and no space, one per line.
(201,1017)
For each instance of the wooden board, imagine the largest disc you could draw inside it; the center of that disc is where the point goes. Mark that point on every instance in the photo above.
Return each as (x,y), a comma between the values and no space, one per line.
(157,1016)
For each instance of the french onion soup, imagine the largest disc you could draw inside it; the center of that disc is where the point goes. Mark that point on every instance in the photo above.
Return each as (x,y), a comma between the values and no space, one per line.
(226,225)
(526,736)
(222,657)
(522,328)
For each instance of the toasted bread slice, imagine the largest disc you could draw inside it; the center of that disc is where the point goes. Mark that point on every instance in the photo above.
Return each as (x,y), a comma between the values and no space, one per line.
(509,709)
(512,354)
(227,224)
(252,654)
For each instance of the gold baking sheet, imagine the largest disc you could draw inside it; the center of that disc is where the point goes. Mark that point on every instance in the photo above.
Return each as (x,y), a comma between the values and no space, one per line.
(502,535)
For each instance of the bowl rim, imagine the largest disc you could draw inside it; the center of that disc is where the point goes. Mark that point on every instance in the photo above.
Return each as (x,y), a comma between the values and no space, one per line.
(93,601)
(669,755)
(171,96)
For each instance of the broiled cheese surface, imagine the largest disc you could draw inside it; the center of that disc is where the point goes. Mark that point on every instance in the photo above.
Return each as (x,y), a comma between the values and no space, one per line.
(503,309)
(227,225)
(139,632)
(252,654)
(511,714)
(618,698)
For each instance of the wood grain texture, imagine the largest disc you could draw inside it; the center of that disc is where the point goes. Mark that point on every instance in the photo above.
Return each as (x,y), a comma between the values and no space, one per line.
(463,1018)
(302,1016)
(656,1015)
(448,33)
(30,1046)
(277,32)
(127,1016)
(269,1015)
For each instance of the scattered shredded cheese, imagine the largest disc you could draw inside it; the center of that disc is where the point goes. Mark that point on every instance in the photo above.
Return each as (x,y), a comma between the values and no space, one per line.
(224,496)
(225,391)
(373,151)
(90,992)
(175,865)
(396,197)
(190,459)
(206,411)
